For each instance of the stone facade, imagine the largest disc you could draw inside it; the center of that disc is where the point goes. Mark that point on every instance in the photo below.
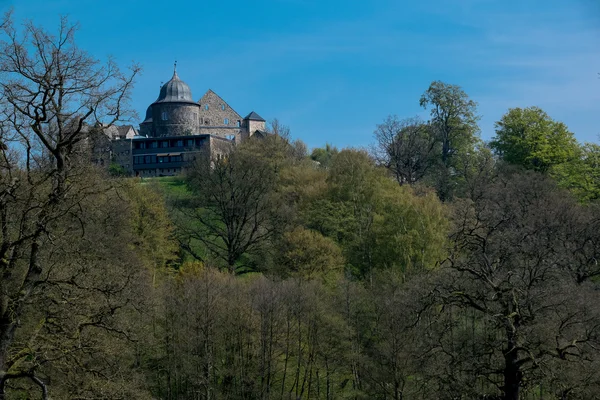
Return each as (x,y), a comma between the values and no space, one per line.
(216,114)
(174,119)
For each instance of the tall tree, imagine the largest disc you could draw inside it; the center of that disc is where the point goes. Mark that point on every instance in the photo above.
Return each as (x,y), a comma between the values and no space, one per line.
(51,92)
(517,295)
(454,123)
(581,175)
(235,206)
(530,138)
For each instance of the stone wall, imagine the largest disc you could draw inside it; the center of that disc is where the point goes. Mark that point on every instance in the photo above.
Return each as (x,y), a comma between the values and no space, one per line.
(224,132)
(254,126)
(218,114)
(182,119)
(121,153)
(147,129)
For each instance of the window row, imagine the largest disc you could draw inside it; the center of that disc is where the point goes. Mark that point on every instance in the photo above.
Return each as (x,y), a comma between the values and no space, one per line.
(168,143)
(157,159)
(223,107)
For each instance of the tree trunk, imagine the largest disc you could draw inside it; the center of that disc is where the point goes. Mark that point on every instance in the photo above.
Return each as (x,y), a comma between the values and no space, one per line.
(512,371)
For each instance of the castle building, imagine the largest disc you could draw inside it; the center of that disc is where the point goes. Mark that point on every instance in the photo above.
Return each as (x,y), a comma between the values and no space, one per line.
(177,130)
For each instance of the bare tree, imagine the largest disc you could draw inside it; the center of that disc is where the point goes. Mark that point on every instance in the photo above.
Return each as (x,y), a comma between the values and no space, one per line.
(406,147)
(515,314)
(51,92)
(235,205)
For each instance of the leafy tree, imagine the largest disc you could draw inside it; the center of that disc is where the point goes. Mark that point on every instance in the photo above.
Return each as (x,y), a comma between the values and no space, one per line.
(581,174)
(323,155)
(406,147)
(309,255)
(378,224)
(454,125)
(530,138)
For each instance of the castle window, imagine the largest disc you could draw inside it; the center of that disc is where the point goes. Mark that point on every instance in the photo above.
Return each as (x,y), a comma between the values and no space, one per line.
(206,121)
(239,123)
(223,107)
(164,116)
(206,107)
(226,121)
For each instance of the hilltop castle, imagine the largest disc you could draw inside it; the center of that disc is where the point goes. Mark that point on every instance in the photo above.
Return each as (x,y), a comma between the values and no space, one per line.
(177,130)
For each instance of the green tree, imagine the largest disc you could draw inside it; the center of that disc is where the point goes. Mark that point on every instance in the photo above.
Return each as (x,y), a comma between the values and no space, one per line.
(378,224)
(309,255)
(323,155)
(581,175)
(454,125)
(530,138)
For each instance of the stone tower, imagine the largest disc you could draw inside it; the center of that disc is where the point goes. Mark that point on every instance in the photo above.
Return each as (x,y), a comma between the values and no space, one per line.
(251,124)
(174,113)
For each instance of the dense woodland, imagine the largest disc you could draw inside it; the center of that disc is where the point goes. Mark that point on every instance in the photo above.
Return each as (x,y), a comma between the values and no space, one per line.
(431,265)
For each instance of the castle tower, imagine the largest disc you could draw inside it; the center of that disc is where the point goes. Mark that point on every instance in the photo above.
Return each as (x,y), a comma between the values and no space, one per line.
(174,113)
(251,124)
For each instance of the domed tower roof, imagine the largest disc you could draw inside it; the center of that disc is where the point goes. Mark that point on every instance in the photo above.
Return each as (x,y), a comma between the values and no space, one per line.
(148,115)
(175,91)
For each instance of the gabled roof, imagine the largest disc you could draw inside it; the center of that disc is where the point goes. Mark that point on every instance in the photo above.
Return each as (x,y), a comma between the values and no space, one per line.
(124,129)
(254,117)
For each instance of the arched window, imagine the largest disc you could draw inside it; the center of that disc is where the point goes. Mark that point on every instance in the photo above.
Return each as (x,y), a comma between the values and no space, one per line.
(206,107)
(223,107)
(164,116)
(226,121)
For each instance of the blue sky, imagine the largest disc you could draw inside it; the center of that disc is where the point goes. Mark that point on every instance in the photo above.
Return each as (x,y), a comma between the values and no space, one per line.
(333,69)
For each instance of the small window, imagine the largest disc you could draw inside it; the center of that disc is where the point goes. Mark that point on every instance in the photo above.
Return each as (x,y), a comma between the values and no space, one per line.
(206,107)
(226,121)
(205,122)
(179,143)
(223,107)
(239,123)
(154,145)
(165,144)
(164,116)
(190,142)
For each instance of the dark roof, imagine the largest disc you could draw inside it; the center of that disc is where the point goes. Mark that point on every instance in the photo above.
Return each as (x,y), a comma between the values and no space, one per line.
(261,134)
(123,129)
(175,91)
(148,117)
(254,117)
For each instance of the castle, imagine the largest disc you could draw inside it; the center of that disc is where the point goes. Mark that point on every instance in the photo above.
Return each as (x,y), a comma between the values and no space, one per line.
(177,130)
